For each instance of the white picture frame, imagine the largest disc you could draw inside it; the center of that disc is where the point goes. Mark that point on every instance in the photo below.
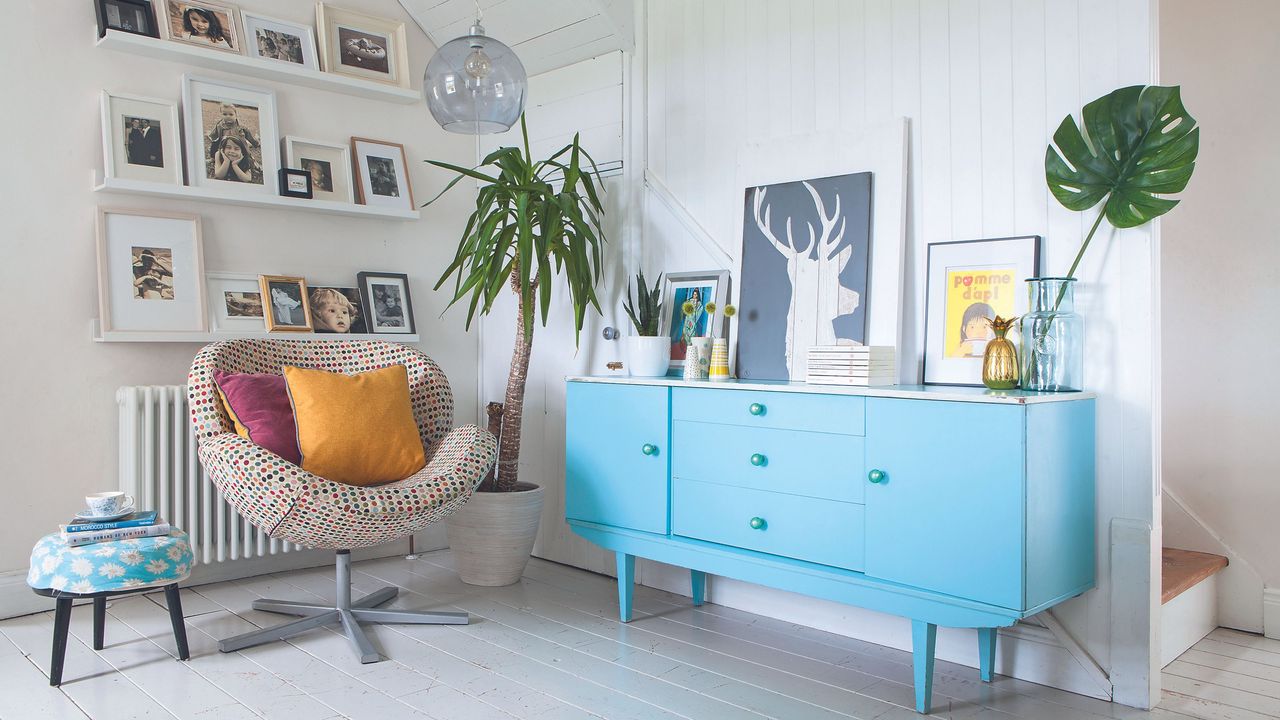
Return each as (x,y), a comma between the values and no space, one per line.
(273,40)
(672,299)
(226,313)
(129,153)
(150,271)
(972,278)
(881,150)
(338,29)
(331,161)
(380,165)
(208,104)
(170,14)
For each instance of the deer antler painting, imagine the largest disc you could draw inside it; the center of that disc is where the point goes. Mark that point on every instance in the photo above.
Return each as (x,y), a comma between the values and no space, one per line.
(805,248)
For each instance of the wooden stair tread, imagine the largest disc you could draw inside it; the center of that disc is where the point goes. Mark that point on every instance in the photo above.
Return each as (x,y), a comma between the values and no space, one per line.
(1182,570)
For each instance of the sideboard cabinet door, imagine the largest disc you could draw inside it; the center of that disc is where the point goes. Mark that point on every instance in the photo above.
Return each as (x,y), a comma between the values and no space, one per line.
(945,497)
(616,455)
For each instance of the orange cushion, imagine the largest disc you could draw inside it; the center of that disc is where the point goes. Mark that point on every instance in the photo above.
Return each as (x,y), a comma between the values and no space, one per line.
(355,429)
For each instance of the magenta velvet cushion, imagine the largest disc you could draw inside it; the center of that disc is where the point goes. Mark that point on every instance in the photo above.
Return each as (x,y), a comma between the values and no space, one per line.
(260,404)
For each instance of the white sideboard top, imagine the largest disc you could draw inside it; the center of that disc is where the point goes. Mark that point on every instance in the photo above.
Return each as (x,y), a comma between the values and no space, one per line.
(954,393)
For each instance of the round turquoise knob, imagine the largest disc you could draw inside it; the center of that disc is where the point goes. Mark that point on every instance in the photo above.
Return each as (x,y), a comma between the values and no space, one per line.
(876,476)
(649,449)
(756,409)
(757,523)
(758,460)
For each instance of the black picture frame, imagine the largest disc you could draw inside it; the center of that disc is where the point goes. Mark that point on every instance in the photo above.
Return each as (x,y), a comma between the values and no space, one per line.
(141,8)
(933,370)
(377,322)
(286,174)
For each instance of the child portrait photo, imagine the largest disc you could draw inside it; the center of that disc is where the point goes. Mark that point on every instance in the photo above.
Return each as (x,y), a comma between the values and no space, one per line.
(232,141)
(279,45)
(382,176)
(203,23)
(321,173)
(386,301)
(337,310)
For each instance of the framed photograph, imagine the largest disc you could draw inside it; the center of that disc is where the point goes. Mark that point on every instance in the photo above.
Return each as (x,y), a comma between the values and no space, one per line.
(287,308)
(337,310)
(295,183)
(207,24)
(362,46)
(822,248)
(382,173)
(329,165)
(386,298)
(699,288)
(272,39)
(131,16)
(967,284)
(140,139)
(231,136)
(235,302)
(150,271)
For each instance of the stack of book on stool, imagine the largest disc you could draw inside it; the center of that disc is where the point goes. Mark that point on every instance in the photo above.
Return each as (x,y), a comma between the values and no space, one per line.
(145,523)
(852,365)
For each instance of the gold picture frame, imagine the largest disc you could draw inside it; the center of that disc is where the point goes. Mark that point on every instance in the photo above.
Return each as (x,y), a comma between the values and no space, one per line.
(285,311)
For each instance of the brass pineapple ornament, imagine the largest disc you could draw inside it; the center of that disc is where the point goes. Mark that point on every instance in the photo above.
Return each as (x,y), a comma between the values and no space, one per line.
(1000,361)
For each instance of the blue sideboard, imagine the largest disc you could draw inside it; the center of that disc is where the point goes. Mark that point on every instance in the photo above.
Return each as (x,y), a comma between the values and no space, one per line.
(951,506)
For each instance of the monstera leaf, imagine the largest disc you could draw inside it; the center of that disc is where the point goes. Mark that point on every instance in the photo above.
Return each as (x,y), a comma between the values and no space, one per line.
(1137,144)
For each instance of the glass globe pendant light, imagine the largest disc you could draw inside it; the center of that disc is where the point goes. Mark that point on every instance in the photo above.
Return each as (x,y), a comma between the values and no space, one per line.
(474,84)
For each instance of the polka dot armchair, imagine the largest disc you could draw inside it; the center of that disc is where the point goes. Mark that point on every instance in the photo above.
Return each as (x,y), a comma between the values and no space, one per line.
(291,504)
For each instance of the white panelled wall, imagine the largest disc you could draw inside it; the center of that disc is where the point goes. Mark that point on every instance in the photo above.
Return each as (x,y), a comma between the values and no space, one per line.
(983,84)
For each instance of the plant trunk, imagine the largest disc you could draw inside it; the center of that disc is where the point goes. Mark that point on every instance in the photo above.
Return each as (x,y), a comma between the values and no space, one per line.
(513,410)
(494,411)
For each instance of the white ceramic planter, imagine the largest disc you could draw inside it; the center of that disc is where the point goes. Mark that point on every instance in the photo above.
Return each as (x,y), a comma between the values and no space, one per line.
(492,535)
(646,356)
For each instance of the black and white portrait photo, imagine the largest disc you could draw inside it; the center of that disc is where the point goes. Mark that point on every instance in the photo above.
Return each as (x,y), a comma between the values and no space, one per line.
(382,176)
(285,303)
(388,306)
(232,141)
(152,273)
(364,50)
(321,173)
(386,302)
(142,142)
(278,45)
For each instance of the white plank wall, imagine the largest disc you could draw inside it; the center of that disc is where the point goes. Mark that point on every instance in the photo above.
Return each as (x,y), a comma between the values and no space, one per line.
(984,84)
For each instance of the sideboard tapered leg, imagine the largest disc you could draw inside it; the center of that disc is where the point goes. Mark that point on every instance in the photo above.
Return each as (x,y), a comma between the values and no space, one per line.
(924,637)
(699,580)
(626,584)
(986,653)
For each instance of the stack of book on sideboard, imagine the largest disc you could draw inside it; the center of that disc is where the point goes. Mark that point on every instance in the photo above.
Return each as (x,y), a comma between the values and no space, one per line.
(134,525)
(852,365)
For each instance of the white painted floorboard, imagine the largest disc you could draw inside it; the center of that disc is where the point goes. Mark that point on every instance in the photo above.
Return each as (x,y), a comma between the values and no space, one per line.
(548,648)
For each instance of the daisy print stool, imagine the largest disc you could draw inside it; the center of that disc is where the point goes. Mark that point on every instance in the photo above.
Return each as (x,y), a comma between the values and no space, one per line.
(101,570)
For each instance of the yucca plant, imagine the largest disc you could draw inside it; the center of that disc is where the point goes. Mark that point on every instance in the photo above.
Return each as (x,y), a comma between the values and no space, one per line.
(647,309)
(533,219)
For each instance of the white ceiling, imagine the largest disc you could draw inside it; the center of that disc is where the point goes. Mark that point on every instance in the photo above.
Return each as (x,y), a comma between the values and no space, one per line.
(546,34)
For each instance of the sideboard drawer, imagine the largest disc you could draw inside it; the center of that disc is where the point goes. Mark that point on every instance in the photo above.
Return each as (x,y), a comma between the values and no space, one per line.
(820,465)
(842,414)
(819,531)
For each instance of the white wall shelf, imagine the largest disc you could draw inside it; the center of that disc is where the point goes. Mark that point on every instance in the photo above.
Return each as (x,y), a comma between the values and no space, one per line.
(208,337)
(199,194)
(256,67)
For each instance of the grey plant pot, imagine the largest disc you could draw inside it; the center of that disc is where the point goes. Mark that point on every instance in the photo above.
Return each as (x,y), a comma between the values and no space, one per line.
(492,535)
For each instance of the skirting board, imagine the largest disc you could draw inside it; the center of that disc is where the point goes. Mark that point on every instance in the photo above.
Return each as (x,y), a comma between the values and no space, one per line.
(1025,651)
(17,599)
(1271,613)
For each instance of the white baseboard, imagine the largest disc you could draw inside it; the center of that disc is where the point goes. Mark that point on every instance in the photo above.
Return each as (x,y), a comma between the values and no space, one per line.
(18,599)
(1271,613)
(1025,651)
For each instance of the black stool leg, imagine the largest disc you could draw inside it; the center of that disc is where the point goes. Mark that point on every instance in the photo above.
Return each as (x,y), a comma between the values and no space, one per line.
(175,616)
(61,623)
(99,621)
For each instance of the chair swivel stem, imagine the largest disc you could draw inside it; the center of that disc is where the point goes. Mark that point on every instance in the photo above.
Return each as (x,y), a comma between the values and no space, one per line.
(344,580)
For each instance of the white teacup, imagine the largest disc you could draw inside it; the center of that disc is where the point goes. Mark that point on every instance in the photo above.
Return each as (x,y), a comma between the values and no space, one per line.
(108,503)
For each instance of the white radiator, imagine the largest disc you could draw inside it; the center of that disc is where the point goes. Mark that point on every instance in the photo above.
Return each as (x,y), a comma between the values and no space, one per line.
(160,469)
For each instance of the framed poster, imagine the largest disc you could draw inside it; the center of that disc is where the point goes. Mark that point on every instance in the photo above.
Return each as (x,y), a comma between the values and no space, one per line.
(968,283)
(140,139)
(699,288)
(150,271)
(232,140)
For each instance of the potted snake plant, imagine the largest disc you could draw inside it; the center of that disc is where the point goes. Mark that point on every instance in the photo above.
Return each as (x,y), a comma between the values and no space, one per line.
(647,354)
(533,220)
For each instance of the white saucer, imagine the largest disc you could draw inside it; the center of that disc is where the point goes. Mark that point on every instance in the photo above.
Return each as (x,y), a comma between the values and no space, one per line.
(86,515)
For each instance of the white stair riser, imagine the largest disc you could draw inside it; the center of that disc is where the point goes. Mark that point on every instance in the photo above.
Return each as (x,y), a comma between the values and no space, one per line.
(1187,618)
